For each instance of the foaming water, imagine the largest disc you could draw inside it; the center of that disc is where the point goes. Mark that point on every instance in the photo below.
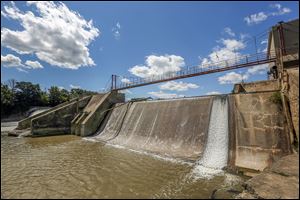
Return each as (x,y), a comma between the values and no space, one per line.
(216,151)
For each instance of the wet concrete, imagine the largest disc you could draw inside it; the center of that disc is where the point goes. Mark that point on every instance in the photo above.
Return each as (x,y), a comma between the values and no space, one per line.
(176,128)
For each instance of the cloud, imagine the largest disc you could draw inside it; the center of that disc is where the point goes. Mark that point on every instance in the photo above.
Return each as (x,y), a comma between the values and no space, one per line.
(116,31)
(256,18)
(126,91)
(232,78)
(33,64)
(125,80)
(229,31)
(158,65)
(262,16)
(259,69)
(280,9)
(61,87)
(164,95)
(264,41)
(224,55)
(56,34)
(11,61)
(177,86)
(213,93)
(22,70)
(74,86)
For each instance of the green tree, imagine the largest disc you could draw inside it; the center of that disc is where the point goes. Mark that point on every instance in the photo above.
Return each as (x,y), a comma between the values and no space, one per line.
(57,96)
(77,92)
(7,100)
(26,95)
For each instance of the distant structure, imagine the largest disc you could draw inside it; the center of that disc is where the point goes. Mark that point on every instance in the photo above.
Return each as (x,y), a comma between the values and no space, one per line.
(283,73)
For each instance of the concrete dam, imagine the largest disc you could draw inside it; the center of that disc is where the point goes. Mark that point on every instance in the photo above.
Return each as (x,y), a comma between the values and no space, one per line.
(244,131)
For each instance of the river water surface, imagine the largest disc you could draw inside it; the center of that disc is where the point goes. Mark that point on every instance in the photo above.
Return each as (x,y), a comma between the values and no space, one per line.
(72,167)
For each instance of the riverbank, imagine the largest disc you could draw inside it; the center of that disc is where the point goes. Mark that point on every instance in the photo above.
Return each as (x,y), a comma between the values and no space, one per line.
(280,181)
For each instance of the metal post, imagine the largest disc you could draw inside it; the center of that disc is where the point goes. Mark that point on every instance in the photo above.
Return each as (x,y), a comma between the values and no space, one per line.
(281,38)
(113,82)
(255,47)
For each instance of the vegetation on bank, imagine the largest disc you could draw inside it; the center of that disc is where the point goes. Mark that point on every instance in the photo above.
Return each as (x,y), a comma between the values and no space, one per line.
(18,97)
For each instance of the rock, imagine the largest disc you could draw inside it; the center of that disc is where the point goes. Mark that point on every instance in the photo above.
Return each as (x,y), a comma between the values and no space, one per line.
(222,194)
(287,166)
(274,186)
(245,195)
(280,181)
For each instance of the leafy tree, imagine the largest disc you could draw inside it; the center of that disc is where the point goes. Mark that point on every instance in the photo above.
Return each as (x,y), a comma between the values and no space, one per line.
(44,99)
(7,100)
(57,96)
(27,94)
(20,96)
(77,92)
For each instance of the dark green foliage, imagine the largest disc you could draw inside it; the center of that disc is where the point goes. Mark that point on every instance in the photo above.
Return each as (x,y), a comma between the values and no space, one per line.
(7,99)
(58,96)
(76,92)
(276,98)
(18,97)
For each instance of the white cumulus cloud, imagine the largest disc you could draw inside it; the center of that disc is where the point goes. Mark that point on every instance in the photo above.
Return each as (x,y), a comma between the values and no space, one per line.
(262,16)
(164,95)
(256,18)
(280,10)
(232,78)
(178,86)
(33,64)
(224,55)
(259,69)
(125,80)
(11,61)
(158,65)
(56,34)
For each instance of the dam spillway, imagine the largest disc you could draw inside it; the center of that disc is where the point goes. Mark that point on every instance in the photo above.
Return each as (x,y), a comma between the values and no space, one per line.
(216,150)
(182,128)
(176,128)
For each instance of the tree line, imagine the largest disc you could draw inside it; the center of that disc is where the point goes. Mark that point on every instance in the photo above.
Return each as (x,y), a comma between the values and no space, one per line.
(19,96)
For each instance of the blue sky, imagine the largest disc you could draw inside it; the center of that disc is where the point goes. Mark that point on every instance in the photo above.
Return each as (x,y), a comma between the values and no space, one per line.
(56,44)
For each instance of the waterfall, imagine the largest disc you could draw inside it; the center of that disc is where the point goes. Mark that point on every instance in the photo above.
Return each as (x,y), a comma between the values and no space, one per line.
(215,155)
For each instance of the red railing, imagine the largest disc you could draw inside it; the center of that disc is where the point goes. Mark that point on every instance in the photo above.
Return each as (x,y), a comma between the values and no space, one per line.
(212,67)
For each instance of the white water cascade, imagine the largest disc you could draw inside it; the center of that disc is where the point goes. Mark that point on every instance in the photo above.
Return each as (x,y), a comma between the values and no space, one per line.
(215,155)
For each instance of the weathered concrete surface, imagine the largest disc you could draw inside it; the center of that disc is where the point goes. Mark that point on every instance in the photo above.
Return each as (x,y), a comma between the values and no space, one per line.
(57,121)
(293,94)
(257,86)
(76,122)
(26,123)
(281,181)
(97,111)
(176,128)
(258,132)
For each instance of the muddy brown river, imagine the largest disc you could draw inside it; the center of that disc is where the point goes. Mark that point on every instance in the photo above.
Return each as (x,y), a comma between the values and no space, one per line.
(72,167)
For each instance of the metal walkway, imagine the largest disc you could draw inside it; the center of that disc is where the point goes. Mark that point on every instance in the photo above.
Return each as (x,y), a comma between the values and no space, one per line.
(224,65)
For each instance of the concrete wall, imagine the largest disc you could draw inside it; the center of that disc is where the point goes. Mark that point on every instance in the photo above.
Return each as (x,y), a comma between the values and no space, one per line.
(176,128)
(293,94)
(57,121)
(257,86)
(26,123)
(97,112)
(76,122)
(258,131)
